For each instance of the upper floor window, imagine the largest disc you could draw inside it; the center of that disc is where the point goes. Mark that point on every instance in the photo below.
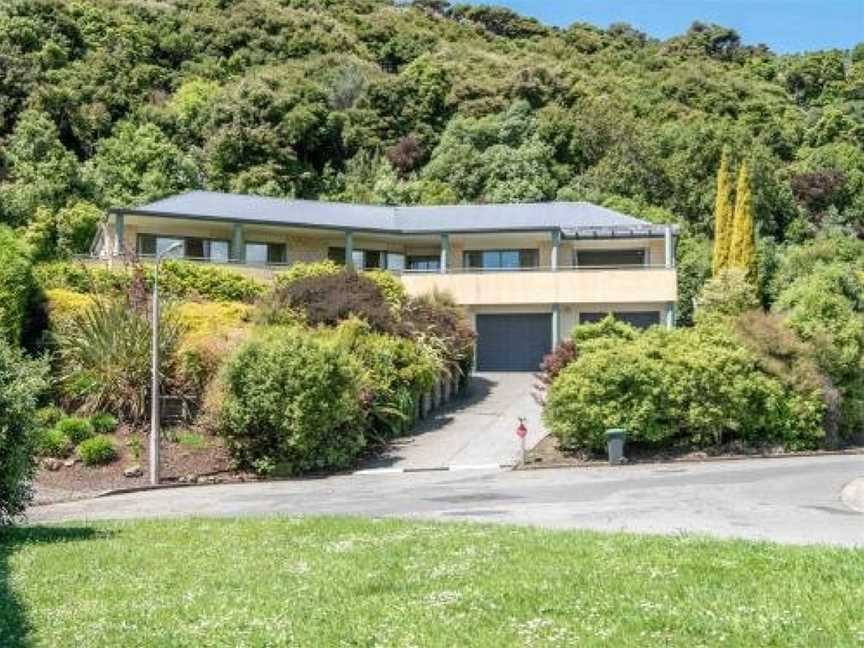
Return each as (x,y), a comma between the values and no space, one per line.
(265,253)
(424,263)
(501,259)
(609,258)
(192,248)
(368,259)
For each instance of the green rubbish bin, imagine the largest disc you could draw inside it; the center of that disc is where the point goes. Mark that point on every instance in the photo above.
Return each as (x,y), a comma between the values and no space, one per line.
(615,439)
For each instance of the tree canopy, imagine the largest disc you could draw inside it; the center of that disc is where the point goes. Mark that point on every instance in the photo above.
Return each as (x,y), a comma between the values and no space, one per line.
(112,103)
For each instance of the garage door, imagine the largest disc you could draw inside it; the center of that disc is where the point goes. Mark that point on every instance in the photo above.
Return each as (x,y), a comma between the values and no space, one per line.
(514,342)
(641,320)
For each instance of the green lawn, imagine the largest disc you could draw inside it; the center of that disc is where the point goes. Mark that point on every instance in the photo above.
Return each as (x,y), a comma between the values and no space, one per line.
(351,582)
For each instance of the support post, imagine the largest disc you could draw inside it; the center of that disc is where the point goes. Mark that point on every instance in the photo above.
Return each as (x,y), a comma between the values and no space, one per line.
(349,251)
(445,252)
(119,234)
(153,457)
(556,325)
(556,246)
(670,247)
(670,316)
(238,245)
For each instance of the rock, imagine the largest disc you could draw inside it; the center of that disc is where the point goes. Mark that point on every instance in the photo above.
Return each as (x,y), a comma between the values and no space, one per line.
(133,471)
(52,464)
(70,462)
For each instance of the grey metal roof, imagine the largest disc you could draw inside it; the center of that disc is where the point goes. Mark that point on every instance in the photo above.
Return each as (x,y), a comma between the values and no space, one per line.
(574,219)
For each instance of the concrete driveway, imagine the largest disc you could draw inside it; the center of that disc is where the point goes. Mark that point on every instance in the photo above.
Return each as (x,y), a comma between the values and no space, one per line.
(477,430)
(795,500)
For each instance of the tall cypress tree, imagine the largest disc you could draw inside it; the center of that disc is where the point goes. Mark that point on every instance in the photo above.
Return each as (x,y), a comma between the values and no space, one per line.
(742,252)
(723,216)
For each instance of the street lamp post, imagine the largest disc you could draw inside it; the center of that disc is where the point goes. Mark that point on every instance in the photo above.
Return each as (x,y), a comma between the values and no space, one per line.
(154,369)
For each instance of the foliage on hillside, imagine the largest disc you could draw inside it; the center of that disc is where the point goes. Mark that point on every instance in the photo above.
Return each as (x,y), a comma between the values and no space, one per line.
(115,103)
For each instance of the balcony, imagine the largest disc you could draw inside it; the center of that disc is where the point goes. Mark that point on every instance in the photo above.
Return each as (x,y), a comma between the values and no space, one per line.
(619,285)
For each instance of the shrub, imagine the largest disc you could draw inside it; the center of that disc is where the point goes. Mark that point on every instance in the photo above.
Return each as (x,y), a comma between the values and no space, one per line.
(434,319)
(331,298)
(728,294)
(54,443)
(300,271)
(187,279)
(390,286)
(552,366)
(78,277)
(64,304)
(293,402)
(17,286)
(395,373)
(179,279)
(22,381)
(699,386)
(103,423)
(47,417)
(97,451)
(211,331)
(104,358)
(76,429)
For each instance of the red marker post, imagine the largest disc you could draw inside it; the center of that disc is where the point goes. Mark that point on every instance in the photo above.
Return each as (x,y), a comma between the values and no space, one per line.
(522,432)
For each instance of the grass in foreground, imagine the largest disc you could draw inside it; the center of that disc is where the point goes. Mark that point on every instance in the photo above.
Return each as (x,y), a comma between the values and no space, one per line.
(352,582)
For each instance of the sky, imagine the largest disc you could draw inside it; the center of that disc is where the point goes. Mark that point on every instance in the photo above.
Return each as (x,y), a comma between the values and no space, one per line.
(785,25)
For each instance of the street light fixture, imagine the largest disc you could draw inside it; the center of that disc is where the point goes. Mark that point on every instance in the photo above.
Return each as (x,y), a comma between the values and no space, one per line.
(154,369)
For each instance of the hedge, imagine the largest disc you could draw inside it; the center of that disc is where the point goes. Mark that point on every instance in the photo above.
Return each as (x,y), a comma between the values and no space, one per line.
(176,278)
(17,285)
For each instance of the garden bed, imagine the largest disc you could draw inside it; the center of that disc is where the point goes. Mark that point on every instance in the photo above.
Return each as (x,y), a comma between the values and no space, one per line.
(549,454)
(187,457)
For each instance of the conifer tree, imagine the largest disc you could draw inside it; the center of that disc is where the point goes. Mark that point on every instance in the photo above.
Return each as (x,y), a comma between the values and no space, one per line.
(742,253)
(723,214)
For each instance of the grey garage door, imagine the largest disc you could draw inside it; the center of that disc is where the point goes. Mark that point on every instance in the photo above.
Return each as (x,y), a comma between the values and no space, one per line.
(640,320)
(514,342)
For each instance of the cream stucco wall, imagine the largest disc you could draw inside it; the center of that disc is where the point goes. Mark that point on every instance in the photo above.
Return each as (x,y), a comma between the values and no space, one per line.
(617,286)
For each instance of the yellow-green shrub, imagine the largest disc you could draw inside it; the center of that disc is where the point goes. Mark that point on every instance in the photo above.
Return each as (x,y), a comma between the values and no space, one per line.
(63,305)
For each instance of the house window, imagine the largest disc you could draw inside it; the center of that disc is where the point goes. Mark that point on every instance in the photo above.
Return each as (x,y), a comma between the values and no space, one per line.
(640,320)
(265,253)
(193,248)
(424,263)
(152,245)
(501,259)
(607,258)
(365,259)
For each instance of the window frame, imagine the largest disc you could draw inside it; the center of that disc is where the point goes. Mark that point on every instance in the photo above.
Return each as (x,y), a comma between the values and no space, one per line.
(521,253)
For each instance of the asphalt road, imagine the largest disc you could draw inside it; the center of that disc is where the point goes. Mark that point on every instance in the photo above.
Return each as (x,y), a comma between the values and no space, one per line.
(792,500)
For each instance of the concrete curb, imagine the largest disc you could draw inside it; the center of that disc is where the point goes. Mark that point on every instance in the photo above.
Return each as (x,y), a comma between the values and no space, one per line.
(666,462)
(404,471)
(852,495)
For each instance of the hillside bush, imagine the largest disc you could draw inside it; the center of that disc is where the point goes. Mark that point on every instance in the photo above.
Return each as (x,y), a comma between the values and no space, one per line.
(728,294)
(696,386)
(75,428)
(104,359)
(211,332)
(22,381)
(390,285)
(17,285)
(292,403)
(54,443)
(63,305)
(395,373)
(97,451)
(328,299)
(103,423)
(184,279)
(179,279)
(434,319)
(300,271)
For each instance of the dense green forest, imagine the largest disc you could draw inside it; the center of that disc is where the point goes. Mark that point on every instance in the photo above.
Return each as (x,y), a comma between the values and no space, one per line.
(115,102)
